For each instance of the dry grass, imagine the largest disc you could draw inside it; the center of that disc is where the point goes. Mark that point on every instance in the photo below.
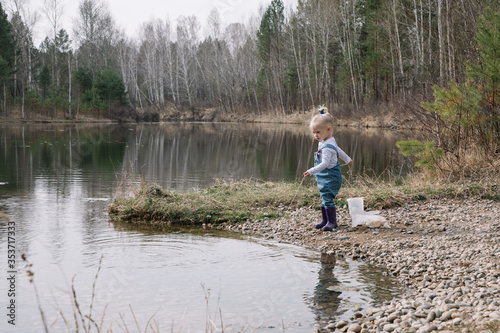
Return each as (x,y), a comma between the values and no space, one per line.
(221,202)
(250,200)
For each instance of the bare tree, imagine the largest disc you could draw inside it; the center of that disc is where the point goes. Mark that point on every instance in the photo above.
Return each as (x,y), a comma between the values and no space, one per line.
(53,10)
(95,34)
(187,39)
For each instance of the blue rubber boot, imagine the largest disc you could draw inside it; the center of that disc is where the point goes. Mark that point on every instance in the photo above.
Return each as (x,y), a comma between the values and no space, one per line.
(324,219)
(331,214)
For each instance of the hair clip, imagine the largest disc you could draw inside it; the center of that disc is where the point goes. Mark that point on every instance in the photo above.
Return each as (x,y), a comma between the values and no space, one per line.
(322,111)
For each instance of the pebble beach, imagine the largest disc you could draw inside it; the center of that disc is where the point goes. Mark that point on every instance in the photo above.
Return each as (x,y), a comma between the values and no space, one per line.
(445,253)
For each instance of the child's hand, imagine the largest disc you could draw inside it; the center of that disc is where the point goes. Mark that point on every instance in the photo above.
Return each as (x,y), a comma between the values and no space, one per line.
(306,174)
(350,163)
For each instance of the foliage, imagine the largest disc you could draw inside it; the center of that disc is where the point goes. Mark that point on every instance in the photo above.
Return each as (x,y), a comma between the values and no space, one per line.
(7,41)
(4,69)
(109,87)
(45,80)
(426,152)
(83,77)
(487,72)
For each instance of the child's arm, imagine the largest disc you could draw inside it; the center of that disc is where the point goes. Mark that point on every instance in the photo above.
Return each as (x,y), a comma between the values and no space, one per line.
(327,155)
(344,156)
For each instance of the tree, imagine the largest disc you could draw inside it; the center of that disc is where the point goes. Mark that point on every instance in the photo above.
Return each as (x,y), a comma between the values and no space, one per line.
(487,72)
(371,39)
(83,77)
(7,41)
(95,33)
(45,80)
(53,10)
(7,53)
(110,88)
(269,43)
(187,39)
(4,70)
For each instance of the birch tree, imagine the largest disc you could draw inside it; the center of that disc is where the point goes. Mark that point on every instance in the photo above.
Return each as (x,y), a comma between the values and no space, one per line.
(187,38)
(95,35)
(53,10)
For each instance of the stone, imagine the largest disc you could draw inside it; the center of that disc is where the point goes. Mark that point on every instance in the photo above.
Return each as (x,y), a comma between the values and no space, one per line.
(356,328)
(390,327)
(431,316)
(331,326)
(495,315)
(341,324)
(392,317)
(446,316)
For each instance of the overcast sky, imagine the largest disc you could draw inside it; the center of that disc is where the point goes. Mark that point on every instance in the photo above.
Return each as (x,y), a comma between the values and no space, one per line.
(130,14)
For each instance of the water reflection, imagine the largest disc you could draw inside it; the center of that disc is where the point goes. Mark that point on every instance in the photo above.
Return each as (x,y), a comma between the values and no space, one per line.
(190,155)
(182,156)
(325,302)
(58,180)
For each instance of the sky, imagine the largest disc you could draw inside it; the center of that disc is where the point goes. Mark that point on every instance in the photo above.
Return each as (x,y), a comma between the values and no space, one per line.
(131,14)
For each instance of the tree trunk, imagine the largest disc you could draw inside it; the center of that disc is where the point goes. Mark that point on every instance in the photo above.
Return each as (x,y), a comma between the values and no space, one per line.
(441,46)
(69,83)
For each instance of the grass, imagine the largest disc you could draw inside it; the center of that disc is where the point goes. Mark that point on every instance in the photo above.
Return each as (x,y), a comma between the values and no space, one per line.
(221,202)
(252,200)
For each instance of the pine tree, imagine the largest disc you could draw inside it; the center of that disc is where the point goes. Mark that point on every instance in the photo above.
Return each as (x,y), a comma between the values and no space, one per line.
(487,71)
(7,41)
(7,53)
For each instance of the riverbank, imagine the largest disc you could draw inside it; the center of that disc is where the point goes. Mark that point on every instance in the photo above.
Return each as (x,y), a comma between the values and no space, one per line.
(442,243)
(378,116)
(446,253)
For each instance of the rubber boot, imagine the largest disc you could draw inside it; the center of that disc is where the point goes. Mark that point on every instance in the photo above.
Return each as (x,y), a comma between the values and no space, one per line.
(331,214)
(324,219)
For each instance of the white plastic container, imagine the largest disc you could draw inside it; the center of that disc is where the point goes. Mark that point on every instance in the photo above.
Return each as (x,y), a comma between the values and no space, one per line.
(359,216)
(356,205)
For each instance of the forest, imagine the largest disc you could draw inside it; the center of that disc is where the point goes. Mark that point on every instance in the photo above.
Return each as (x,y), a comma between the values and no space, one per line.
(353,54)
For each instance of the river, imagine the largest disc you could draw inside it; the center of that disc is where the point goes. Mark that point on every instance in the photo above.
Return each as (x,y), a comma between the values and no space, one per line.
(56,182)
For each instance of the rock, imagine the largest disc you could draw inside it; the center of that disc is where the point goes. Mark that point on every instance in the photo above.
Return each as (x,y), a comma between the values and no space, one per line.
(392,317)
(341,324)
(446,316)
(356,328)
(331,326)
(495,315)
(390,327)
(431,316)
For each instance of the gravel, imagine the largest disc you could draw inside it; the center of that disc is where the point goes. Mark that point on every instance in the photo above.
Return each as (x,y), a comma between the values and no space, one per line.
(445,252)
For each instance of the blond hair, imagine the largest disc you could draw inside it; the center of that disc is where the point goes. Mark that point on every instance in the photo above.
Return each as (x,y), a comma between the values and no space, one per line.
(323,118)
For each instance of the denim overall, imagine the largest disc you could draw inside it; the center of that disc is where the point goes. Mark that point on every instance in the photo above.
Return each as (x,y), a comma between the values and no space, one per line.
(329,180)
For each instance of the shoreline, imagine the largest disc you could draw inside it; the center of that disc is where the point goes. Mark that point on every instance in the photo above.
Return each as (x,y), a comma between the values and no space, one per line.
(389,118)
(445,253)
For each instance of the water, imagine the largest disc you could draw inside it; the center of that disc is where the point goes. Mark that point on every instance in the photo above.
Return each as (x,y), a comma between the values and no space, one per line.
(57,180)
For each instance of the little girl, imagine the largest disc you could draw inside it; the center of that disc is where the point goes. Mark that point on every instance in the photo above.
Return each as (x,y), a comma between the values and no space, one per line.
(327,167)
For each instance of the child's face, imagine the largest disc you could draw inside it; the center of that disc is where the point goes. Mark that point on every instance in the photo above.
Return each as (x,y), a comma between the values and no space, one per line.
(321,132)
